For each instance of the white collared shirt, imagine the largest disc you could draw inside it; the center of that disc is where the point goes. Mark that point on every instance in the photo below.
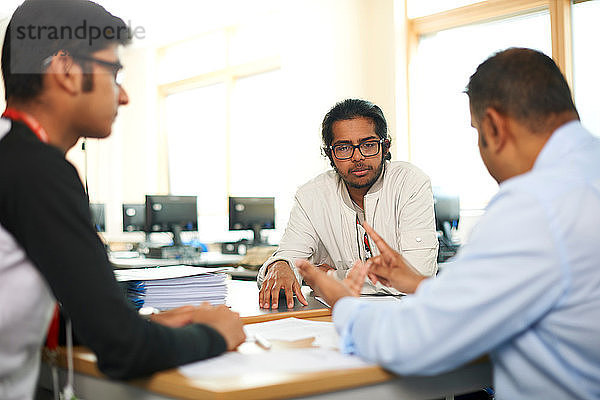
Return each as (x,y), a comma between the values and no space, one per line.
(322,226)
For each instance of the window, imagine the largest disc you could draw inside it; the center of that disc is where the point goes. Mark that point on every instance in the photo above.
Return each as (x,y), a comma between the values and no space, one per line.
(586,63)
(220,115)
(443,143)
(196,132)
(419,8)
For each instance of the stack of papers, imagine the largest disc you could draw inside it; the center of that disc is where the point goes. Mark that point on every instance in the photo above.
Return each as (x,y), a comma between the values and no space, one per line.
(169,287)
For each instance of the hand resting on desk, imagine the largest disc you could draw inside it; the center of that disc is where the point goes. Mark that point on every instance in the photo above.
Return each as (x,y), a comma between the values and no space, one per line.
(279,277)
(220,318)
(175,317)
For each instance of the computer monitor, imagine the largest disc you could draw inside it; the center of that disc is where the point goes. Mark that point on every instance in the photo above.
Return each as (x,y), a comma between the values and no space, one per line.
(134,217)
(166,213)
(98,217)
(252,213)
(447,213)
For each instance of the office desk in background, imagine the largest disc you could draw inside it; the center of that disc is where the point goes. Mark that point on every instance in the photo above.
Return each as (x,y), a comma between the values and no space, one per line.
(361,383)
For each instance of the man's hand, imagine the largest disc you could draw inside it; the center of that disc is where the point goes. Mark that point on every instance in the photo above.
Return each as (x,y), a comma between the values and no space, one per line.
(279,276)
(175,317)
(355,278)
(223,320)
(330,288)
(390,268)
(325,267)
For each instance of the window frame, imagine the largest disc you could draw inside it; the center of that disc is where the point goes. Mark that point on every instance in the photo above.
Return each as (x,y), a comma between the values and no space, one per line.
(485,11)
(227,75)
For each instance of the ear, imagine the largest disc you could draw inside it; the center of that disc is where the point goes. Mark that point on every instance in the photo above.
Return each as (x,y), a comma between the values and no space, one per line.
(64,73)
(386,147)
(495,129)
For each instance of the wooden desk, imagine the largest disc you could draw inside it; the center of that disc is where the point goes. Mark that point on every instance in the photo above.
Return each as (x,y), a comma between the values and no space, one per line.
(360,383)
(242,296)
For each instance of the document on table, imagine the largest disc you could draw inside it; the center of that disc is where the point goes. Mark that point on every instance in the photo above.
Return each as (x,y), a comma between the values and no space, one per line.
(170,287)
(279,361)
(370,298)
(173,271)
(293,329)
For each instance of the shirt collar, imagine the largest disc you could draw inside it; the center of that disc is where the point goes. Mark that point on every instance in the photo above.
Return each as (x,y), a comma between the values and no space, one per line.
(563,141)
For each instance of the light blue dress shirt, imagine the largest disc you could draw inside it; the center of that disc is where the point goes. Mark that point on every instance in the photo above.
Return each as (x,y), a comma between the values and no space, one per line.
(525,289)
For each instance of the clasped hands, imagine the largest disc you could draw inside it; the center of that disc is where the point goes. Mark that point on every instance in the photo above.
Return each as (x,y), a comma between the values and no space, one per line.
(220,318)
(389,268)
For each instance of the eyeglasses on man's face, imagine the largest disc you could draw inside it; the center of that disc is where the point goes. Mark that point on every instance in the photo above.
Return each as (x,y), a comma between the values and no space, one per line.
(345,151)
(116,68)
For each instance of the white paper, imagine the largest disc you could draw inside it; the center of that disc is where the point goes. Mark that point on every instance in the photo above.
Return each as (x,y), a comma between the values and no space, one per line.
(292,329)
(369,297)
(282,361)
(170,287)
(173,271)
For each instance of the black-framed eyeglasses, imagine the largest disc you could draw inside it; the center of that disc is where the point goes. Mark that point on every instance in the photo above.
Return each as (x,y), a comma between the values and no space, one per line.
(345,151)
(115,67)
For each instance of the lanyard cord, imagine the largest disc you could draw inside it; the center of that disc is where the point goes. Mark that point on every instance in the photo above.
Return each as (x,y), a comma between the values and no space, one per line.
(366,244)
(28,120)
(358,237)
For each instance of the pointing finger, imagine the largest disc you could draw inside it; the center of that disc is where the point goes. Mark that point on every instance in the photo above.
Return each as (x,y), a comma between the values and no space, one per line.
(383,247)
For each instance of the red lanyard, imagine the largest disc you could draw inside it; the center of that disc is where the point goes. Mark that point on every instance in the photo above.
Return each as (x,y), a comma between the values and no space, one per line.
(368,253)
(28,120)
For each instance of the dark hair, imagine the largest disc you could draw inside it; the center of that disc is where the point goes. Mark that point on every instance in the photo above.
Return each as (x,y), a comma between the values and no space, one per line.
(39,29)
(350,109)
(522,83)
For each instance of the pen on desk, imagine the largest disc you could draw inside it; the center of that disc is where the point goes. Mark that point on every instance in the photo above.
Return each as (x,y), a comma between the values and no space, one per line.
(262,341)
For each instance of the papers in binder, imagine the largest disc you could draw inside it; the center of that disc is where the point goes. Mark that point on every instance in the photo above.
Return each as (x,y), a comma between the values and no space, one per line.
(173,271)
(174,286)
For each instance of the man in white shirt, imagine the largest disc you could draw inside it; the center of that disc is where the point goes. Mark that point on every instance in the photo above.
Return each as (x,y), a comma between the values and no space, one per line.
(526,287)
(325,221)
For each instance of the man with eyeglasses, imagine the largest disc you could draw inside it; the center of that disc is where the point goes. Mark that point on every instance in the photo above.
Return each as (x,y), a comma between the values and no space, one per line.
(59,89)
(325,225)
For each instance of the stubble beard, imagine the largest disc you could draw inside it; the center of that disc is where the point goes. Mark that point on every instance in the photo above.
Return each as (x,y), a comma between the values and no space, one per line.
(368,184)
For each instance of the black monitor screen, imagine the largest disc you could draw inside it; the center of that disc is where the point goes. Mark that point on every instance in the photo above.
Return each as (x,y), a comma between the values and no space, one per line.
(98,217)
(134,217)
(447,212)
(246,213)
(165,213)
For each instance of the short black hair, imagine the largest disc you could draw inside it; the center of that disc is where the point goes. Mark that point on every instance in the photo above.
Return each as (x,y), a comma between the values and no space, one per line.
(350,109)
(39,29)
(524,84)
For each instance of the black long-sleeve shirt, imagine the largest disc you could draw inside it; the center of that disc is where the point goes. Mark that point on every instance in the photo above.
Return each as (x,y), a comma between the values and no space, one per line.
(44,206)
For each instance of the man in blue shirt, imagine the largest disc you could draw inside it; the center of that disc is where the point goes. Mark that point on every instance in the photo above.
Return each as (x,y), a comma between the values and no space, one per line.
(525,289)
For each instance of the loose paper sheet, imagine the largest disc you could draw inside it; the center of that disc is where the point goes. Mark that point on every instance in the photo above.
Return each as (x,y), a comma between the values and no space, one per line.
(174,271)
(282,361)
(295,329)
